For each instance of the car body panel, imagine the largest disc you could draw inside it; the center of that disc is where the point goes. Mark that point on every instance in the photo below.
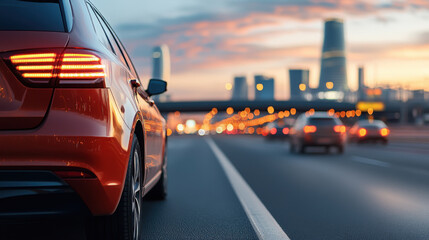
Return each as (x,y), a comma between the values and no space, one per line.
(21,106)
(88,129)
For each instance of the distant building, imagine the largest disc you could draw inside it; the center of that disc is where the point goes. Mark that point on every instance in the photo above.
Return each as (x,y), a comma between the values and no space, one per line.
(264,88)
(161,63)
(418,95)
(161,68)
(298,83)
(333,75)
(361,84)
(240,90)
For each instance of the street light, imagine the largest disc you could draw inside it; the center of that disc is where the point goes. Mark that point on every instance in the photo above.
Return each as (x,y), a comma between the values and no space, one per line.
(228,86)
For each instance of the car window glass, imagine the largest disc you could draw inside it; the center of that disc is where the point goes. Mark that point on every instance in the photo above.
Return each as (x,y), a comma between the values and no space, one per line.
(322,121)
(112,40)
(130,64)
(35,15)
(99,29)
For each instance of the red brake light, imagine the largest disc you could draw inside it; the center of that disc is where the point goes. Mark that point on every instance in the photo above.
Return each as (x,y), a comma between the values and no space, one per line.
(310,129)
(340,129)
(273,131)
(384,132)
(73,68)
(285,131)
(362,132)
(35,68)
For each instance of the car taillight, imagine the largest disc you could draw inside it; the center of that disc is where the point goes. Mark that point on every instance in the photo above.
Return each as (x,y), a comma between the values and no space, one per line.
(273,131)
(310,129)
(340,129)
(285,131)
(71,68)
(362,132)
(384,132)
(35,68)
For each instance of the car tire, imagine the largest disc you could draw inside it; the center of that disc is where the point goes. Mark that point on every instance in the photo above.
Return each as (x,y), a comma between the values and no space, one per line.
(301,148)
(340,149)
(124,224)
(159,191)
(292,148)
(327,149)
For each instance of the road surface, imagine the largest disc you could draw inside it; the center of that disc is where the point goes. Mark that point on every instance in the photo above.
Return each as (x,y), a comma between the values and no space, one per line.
(370,192)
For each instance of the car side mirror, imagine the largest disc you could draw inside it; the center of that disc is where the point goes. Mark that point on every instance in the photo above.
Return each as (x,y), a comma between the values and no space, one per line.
(156,86)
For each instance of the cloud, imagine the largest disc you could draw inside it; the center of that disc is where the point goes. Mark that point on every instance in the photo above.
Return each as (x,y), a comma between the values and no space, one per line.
(213,38)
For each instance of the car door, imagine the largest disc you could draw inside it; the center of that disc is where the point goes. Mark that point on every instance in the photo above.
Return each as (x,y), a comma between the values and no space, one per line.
(154,124)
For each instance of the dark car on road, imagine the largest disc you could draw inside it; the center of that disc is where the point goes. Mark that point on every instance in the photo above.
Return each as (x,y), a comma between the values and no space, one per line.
(369,130)
(76,125)
(317,129)
(278,130)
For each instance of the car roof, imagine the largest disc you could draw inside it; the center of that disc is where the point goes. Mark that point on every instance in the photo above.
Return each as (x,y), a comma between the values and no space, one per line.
(321,115)
(371,123)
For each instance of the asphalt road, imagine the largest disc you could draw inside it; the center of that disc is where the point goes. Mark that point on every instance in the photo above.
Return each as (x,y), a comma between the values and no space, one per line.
(370,192)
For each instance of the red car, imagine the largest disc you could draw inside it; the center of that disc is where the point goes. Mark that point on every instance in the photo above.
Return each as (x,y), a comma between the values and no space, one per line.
(76,126)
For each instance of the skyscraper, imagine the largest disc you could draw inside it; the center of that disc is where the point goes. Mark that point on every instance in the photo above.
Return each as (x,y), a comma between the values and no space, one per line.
(333,75)
(361,84)
(240,91)
(298,82)
(264,88)
(161,63)
(161,67)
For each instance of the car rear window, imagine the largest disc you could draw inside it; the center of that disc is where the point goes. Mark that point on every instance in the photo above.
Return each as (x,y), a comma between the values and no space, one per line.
(322,121)
(31,15)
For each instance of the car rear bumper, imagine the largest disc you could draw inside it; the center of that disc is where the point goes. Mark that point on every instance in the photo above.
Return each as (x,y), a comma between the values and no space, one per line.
(371,138)
(321,140)
(83,130)
(35,194)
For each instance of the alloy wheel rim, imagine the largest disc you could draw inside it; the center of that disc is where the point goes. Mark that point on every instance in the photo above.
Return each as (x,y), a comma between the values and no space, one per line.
(136,199)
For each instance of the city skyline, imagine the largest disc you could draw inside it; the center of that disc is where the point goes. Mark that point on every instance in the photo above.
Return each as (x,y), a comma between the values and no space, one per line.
(209,46)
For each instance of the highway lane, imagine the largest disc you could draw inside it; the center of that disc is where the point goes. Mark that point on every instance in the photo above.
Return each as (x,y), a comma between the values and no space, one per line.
(201,203)
(370,192)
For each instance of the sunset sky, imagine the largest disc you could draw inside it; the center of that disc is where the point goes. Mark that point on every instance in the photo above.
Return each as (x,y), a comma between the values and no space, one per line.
(212,41)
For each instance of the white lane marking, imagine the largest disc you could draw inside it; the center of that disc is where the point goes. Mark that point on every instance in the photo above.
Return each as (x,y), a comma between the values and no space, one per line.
(370,161)
(265,226)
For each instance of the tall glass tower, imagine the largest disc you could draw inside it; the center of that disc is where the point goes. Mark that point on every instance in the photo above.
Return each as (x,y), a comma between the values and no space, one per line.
(161,63)
(333,74)
(240,91)
(264,88)
(298,83)
(161,68)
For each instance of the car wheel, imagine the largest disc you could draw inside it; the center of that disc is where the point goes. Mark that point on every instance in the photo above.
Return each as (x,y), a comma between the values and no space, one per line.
(340,149)
(301,148)
(291,148)
(159,191)
(124,224)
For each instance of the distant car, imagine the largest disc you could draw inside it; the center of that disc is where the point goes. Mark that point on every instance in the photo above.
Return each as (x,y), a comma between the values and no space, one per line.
(318,129)
(77,126)
(369,130)
(276,130)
